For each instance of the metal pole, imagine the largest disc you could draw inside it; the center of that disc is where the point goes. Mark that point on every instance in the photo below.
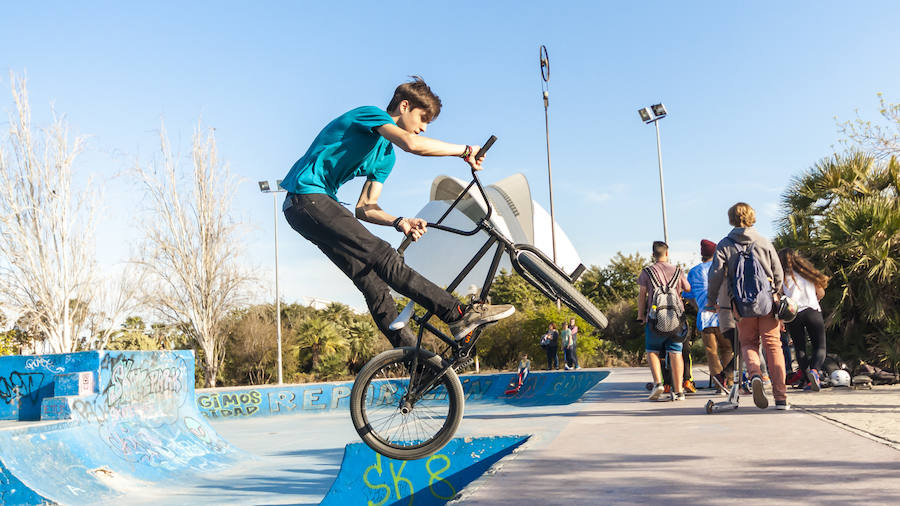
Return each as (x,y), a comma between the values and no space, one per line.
(662,189)
(277,293)
(550,177)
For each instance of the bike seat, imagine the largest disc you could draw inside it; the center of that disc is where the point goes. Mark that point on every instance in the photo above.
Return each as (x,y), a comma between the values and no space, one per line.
(403,317)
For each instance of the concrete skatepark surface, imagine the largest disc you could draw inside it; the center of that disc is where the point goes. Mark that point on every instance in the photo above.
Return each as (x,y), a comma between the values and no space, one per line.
(611,446)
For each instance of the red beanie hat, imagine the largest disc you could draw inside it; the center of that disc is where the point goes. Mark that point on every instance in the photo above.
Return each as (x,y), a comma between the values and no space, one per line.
(707,248)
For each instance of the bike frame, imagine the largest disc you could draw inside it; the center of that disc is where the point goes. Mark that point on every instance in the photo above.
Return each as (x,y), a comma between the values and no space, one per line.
(503,245)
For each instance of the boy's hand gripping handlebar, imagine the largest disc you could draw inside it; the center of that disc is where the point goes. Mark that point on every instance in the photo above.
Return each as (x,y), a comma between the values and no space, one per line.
(481,152)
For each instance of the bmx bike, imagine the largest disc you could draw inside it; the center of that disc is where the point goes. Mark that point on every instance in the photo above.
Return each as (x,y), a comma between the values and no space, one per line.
(406,403)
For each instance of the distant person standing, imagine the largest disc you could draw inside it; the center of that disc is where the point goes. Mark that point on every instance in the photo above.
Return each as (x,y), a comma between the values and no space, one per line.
(568,345)
(661,273)
(718,347)
(550,344)
(806,285)
(574,328)
(761,271)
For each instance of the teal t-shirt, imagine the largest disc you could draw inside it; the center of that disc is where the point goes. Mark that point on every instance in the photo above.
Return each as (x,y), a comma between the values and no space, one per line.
(346,148)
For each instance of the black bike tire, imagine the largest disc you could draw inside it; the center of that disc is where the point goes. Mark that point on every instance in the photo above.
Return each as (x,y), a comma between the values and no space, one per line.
(455,397)
(567,293)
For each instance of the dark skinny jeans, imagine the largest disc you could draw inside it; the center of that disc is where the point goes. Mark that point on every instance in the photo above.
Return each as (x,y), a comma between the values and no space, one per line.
(552,357)
(371,263)
(808,323)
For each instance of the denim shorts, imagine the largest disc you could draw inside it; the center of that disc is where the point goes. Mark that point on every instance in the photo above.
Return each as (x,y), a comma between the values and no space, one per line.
(657,344)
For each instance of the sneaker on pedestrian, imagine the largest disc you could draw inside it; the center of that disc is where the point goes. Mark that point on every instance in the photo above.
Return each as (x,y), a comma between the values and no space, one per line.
(782,405)
(813,377)
(759,393)
(656,392)
(689,387)
(477,315)
(678,397)
(567,367)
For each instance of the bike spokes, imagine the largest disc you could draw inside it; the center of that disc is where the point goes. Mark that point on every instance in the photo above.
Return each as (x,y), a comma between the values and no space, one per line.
(397,419)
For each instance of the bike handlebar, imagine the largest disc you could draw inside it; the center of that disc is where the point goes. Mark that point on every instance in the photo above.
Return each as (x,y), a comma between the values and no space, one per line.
(481,152)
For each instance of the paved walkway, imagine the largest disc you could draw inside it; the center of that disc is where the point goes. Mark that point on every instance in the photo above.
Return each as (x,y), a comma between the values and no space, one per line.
(874,414)
(617,448)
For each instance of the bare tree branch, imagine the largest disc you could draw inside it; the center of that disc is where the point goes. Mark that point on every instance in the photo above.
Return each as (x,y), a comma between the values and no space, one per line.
(47,260)
(193,248)
(882,141)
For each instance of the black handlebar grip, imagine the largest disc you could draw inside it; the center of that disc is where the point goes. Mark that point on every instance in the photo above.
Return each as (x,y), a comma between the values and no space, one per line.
(487,145)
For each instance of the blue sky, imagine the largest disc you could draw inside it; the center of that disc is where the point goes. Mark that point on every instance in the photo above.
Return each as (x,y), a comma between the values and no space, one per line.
(752,90)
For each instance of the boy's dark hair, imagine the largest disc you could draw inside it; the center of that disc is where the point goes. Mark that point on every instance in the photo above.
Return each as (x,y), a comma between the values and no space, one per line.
(419,95)
(660,249)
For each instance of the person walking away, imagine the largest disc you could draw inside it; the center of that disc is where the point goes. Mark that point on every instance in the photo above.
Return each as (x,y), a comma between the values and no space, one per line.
(718,347)
(749,265)
(806,285)
(568,346)
(360,143)
(550,343)
(574,328)
(664,274)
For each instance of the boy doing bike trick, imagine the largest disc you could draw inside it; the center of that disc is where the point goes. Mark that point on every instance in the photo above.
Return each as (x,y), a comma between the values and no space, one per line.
(361,143)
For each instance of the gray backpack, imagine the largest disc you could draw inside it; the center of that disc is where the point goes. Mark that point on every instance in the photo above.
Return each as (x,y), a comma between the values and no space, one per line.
(666,313)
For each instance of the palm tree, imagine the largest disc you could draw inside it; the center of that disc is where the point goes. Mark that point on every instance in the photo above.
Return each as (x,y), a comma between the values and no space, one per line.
(362,337)
(321,337)
(844,213)
(339,313)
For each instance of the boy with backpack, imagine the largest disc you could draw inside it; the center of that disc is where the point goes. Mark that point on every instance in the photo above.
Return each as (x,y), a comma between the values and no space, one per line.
(661,310)
(749,265)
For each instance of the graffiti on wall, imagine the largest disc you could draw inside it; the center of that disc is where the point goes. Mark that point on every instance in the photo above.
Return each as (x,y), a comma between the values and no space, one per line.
(21,384)
(228,404)
(540,388)
(139,411)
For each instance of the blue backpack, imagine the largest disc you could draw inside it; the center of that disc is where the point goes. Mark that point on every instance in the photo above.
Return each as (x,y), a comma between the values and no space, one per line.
(751,289)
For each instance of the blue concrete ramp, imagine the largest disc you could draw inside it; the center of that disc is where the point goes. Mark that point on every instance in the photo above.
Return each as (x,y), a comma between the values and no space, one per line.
(113,423)
(367,478)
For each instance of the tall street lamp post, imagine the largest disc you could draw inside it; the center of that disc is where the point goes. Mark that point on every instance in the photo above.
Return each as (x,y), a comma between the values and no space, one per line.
(653,114)
(545,93)
(265,188)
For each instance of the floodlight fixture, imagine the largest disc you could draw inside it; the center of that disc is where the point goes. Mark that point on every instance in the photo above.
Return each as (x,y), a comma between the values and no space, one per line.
(646,115)
(264,186)
(659,111)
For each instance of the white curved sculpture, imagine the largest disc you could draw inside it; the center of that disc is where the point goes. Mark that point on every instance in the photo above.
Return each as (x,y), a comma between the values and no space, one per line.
(439,256)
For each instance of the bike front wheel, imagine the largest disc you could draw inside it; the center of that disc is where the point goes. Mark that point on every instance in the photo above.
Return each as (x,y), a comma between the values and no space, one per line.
(544,272)
(391,424)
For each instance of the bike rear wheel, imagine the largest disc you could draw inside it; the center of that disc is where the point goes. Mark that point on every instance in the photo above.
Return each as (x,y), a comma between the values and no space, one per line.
(398,429)
(546,273)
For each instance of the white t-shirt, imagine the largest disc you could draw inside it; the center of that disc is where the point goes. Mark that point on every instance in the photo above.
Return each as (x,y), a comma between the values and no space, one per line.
(803,292)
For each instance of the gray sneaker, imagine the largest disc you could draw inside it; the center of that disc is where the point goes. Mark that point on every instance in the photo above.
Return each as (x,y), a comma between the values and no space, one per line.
(478,315)
(759,393)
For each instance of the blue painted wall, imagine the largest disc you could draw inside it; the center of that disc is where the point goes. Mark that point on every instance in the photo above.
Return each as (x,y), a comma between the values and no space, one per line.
(540,388)
(26,380)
